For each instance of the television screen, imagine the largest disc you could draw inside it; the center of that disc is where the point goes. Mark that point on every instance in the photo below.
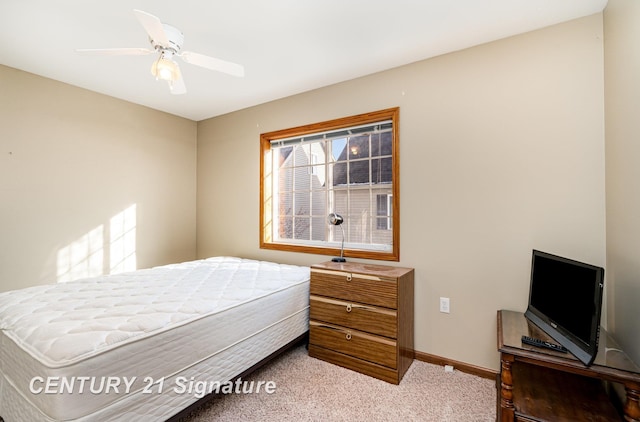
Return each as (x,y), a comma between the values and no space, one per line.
(565,301)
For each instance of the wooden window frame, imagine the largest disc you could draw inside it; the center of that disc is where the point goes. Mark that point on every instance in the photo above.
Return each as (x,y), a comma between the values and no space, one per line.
(266,139)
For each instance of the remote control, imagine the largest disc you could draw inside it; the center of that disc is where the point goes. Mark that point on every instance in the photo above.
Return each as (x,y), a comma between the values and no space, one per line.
(541,343)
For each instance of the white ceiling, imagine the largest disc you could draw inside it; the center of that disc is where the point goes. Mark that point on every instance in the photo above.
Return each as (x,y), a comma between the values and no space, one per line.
(286,46)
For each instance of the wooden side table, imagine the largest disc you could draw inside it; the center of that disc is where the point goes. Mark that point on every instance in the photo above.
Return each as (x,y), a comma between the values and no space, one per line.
(544,385)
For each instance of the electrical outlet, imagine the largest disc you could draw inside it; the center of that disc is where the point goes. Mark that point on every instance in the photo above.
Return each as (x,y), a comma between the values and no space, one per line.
(444,305)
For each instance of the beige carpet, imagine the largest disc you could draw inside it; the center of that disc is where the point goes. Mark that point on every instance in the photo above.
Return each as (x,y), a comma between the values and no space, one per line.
(309,389)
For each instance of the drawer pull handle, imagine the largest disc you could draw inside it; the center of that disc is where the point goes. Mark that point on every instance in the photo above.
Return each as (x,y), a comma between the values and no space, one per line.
(348,307)
(348,336)
(348,277)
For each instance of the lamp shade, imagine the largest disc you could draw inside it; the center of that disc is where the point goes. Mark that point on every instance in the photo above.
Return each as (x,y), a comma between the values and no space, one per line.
(165,69)
(335,219)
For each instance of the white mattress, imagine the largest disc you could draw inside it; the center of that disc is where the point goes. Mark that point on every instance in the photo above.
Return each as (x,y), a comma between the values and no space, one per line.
(201,318)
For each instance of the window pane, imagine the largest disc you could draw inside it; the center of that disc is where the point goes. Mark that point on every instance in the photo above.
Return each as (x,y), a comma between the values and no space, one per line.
(381,144)
(285,227)
(302,154)
(375,145)
(381,204)
(285,159)
(285,179)
(335,233)
(386,143)
(340,174)
(318,152)
(338,149)
(301,204)
(359,147)
(340,201)
(359,172)
(382,211)
(319,203)
(285,206)
(359,216)
(301,178)
(317,176)
(302,228)
(359,229)
(319,227)
(381,170)
(387,170)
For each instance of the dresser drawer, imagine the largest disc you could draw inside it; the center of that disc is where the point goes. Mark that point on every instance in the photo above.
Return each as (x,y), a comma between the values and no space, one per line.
(353,287)
(354,343)
(380,321)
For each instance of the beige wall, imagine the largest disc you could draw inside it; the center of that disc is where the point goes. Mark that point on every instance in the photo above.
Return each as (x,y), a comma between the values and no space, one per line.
(71,161)
(622,108)
(502,151)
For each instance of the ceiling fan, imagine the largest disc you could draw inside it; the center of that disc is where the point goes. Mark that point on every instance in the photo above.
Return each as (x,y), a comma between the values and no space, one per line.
(167,40)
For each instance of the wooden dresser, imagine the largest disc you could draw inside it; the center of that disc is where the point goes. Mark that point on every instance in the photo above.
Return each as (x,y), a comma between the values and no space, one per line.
(361,317)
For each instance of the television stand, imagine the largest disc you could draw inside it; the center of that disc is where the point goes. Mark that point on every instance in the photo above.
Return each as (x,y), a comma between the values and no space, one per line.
(544,385)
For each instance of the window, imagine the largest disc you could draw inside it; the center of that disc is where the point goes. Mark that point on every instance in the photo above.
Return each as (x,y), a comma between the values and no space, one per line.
(347,166)
(384,208)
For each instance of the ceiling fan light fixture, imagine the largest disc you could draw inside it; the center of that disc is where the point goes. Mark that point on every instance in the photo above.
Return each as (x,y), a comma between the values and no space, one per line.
(165,69)
(166,41)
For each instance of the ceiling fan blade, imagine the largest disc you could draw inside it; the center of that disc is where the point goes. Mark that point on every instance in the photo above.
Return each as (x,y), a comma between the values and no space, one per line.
(177,87)
(213,64)
(135,51)
(153,26)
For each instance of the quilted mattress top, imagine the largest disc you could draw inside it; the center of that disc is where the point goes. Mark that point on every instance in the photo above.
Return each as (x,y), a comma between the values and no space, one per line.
(61,324)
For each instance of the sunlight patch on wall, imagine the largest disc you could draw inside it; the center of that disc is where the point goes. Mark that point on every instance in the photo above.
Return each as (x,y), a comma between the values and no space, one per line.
(82,258)
(123,241)
(107,249)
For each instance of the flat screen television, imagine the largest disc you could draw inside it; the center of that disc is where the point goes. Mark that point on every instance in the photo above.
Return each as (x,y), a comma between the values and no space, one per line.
(565,301)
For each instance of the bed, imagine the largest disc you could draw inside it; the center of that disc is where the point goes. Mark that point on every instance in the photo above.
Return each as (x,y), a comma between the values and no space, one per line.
(128,346)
